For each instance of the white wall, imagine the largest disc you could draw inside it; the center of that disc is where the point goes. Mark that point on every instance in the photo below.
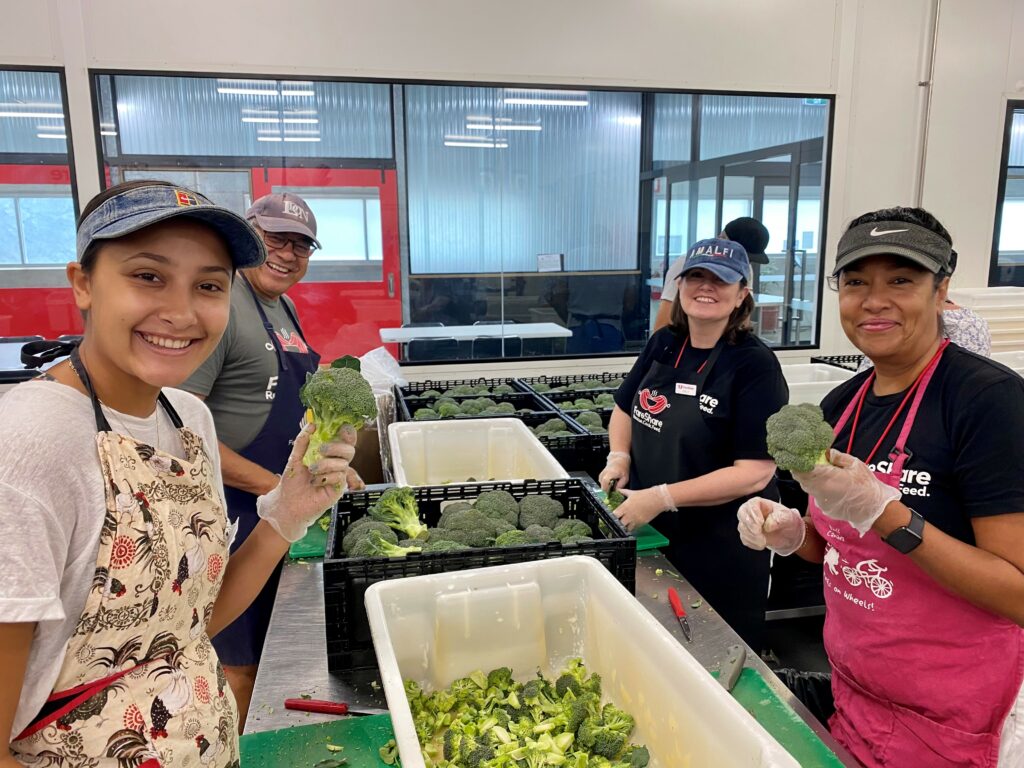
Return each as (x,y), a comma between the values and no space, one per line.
(869,53)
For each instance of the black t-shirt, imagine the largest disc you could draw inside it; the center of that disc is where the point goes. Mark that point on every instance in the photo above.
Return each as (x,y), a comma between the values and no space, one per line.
(746,386)
(967,443)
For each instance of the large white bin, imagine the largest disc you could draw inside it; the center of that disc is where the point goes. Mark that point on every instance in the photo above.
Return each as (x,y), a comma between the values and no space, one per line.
(435,629)
(810,382)
(441,452)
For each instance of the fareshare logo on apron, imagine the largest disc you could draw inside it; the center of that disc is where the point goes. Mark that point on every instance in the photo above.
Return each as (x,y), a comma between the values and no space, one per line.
(651,404)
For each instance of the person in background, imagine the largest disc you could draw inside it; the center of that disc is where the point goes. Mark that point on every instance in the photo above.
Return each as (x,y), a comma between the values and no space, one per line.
(113,533)
(961,325)
(687,434)
(748,232)
(251,384)
(917,517)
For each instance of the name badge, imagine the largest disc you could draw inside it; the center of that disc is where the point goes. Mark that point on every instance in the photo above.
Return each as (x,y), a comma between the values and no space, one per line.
(689,390)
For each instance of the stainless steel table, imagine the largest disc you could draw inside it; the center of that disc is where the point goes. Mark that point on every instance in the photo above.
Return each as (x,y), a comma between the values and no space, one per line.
(295,653)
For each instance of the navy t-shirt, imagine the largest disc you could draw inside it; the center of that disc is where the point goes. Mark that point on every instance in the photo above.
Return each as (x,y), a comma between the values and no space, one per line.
(746,386)
(967,443)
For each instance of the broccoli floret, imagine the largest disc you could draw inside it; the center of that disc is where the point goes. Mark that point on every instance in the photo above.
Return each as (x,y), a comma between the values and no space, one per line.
(548,427)
(584,404)
(470,527)
(503,389)
(452,508)
(615,499)
(590,419)
(574,540)
(335,398)
(636,756)
(565,683)
(389,753)
(538,509)
(540,534)
(799,437)
(444,545)
(500,505)
(447,410)
(541,387)
(374,544)
(460,390)
(397,507)
(430,393)
(565,529)
(362,528)
(513,538)
(605,400)
(425,414)
(505,408)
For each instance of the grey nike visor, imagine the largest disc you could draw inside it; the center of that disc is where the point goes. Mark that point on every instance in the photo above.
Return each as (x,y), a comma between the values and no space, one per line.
(894,238)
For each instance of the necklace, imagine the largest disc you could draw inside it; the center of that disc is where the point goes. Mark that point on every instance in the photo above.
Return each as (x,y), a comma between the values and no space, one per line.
(117,416)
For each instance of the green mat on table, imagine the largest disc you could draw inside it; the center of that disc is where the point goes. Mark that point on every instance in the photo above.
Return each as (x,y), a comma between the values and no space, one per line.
(313,544)
(647,537)
(306,745)
(779,719)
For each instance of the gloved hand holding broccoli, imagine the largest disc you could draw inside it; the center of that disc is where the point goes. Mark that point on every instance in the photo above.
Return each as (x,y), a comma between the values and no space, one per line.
(335,397)
(799,437)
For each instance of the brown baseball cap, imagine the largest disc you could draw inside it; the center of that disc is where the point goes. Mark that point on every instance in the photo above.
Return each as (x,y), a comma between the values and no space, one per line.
(284,212)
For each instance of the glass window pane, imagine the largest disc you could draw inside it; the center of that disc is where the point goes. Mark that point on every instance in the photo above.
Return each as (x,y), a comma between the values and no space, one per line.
(1009,267)
(732,125)
(10,244)
(48,229)
(340,227)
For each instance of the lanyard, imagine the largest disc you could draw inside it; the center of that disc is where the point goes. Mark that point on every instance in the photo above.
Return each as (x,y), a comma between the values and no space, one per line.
(680,356)
(906,399)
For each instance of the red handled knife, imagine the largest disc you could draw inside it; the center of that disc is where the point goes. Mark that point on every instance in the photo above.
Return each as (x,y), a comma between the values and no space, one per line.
(677,606)
(316,705)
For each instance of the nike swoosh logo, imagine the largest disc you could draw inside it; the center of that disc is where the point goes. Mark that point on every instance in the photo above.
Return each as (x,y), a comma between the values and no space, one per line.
(876,232)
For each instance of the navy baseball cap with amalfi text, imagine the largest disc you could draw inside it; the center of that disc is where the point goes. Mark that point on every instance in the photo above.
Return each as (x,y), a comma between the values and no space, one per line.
(142,206)
(726,259)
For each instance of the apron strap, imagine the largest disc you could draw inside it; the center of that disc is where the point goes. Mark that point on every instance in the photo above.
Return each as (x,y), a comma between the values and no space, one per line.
(702,374)
(852,405)
(269,328)
(102,425)
(908,423)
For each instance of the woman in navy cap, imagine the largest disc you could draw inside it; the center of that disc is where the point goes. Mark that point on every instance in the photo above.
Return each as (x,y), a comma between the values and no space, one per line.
(113,532)
(687,435)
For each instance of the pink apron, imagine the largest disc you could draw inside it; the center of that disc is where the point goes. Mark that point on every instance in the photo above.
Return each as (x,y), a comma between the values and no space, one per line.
(921,678)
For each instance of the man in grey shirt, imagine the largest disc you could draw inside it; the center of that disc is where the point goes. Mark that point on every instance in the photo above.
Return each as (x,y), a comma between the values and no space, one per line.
(251,383)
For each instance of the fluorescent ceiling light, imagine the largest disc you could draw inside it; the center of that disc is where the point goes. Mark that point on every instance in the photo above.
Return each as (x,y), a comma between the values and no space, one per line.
(108,133)
(301,120)
(548,92)
(315,131)
(268,138)
(37,115)
(51,136)
(245,81)
(483,144)
(297,93)
(261,120)
(503,127)
(302,138)
(30,104)
(547,102)
(247,91)
(252,111)
(628,120)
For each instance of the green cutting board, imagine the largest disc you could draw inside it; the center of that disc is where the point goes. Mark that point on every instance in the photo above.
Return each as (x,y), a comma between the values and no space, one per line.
(306,745)
(779,719)
(313,544)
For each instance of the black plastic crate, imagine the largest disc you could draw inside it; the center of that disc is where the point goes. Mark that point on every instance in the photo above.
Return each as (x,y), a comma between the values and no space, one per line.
(418,387)
(561,381)
(846,362)
(563,401)
(408,405)
(349,645)
(579,453)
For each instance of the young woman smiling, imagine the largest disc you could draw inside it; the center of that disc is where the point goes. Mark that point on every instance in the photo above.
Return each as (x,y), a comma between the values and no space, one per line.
(687,434)
(112,526)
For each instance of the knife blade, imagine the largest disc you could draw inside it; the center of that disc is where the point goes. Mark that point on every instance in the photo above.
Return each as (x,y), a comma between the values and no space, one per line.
(677,607)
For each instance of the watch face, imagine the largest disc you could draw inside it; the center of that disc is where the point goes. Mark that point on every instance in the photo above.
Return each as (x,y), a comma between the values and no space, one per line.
(905,539)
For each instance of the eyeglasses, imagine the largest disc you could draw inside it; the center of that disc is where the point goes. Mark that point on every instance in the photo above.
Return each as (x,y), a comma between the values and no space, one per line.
(302,247)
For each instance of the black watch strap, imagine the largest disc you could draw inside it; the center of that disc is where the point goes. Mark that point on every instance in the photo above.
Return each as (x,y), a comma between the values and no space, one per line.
(909,537)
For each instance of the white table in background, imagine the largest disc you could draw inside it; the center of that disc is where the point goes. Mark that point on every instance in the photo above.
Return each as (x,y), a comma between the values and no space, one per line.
(496,331)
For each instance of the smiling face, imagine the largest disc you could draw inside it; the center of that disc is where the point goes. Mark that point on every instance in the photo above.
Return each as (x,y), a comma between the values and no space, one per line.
(705,297)
(889,308)
(282,269)
(157,303)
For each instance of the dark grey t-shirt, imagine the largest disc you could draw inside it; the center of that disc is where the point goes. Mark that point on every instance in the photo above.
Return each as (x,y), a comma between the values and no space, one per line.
(239,378)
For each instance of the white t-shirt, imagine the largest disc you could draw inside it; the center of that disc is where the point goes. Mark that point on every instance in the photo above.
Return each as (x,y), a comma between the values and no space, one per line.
(52,507)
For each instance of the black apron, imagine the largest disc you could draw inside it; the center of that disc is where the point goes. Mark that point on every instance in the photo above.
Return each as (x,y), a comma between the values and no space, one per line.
(241,643)
(672,441)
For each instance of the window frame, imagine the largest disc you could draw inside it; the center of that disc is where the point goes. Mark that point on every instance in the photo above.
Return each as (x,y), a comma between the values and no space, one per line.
(1012,105)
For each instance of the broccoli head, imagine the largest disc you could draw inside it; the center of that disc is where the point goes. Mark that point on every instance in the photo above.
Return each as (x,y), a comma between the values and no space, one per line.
(397,507)
(541,387)
(335,398)
(590,419)
(503,389)
(470,527)
(425,414)
(549,427)
(362,528)
(375,544)
(799,437)
(452,508)
(430,393)
(615,498)
(584,404)
(501,505)
(513,538)
(605,400)
(572,541)
(444,545)
(540,534)
(565,529)
(447,409)
(538,509)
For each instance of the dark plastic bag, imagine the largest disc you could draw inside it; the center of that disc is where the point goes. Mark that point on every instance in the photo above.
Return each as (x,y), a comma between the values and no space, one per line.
(814,689)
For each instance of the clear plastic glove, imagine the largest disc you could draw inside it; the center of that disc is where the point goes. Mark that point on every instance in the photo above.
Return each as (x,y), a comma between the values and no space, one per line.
(302,495)
(640,507)
(768,524)
(353,481)
(616,468)
(845,489)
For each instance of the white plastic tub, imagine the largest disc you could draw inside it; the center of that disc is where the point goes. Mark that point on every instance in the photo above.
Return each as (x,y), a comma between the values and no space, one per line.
(1014,360)
(435,629)
(441,452)
(801,373)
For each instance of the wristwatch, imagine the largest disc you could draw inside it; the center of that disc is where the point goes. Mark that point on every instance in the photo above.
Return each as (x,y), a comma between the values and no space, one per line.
(908,537)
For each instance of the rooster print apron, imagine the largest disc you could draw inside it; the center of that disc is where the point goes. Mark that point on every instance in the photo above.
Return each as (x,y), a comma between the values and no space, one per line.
(141,686)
